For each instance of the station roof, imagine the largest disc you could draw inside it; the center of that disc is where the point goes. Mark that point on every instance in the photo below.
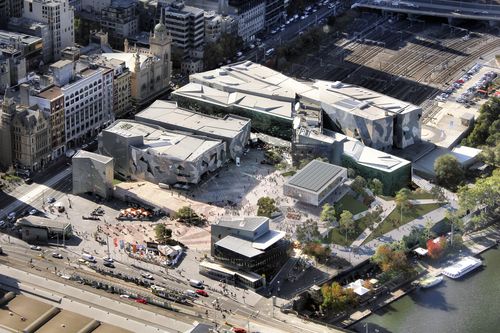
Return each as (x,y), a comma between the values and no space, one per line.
(156,139)
(167,112)
(315,176)
(40,222)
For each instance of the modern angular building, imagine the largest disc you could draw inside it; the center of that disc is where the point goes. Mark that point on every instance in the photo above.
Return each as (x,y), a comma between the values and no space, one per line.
(149,152)
(315,182)
(233,130)
(247,244)
(92,173)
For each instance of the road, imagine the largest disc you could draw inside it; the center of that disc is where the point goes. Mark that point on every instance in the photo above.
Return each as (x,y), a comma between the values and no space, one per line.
(290,32)
(445,8)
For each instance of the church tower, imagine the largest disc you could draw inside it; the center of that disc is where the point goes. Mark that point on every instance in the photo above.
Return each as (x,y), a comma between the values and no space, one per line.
(7,116)
(160,45)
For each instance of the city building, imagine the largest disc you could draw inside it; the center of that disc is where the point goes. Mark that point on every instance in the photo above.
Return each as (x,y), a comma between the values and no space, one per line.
(92,173)
(37,29)
(275,10)
(216,25)
(120,20)
(247,244)
(25,136)
(12,66)
(88,99)
(58,15)
(30,47)
(350,125)
(36,229)
(315,182)
(186,25)
(151,68)
(121,82)
(249,15)
(233,130)
(149,152)
(8,9)
(51,101)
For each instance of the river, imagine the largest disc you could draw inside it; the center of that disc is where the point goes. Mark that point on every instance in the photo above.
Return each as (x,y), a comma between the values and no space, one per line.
(471,304)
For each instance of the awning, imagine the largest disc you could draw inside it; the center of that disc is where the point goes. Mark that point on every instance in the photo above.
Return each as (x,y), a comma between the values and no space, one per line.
(420,251)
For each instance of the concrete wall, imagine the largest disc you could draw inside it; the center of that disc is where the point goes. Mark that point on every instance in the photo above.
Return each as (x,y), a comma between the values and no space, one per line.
(91,175)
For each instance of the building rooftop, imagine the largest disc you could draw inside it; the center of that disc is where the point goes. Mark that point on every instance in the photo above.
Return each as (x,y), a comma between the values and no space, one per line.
(61,63)
(168,112)
(156,139)
(240,246)
(248,223)
(315,176)
(37,221)
(93,156)
(14,37)
(371,157)
(51,93)
(128,58)
(253,277)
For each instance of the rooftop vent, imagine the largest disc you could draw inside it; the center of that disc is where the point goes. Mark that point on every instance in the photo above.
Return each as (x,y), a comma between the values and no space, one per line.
(364,105)
(337,85)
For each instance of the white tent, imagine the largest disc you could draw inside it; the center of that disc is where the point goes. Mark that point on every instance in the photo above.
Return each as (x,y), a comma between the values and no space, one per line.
(420,251)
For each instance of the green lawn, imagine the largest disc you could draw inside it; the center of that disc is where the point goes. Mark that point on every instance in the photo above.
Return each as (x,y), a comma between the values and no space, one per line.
(116,181)
(393,220)
(336,235)
(349,203)
(413,196)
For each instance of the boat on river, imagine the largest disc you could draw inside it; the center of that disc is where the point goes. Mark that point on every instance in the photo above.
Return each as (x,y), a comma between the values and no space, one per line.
(462,267)
(430,281)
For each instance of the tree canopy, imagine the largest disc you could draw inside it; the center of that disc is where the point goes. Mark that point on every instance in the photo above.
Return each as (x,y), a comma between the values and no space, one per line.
(266,206)
(358,185)
(449,172)
(402,199)
(346,221)
(336,298)
(186,214)
(327,213)
(376,186)
(486,130)
(220,51)
(162,233)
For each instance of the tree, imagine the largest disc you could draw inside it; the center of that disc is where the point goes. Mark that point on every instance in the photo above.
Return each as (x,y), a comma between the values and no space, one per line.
(351,173)
(346,222)
(449,172)
(491,155)
(186,214)
(358,185)
(438,193)
(456,223)
(266,206)
(162,233)
(391,260)
(376,186)
(435,249)
(486,126)
(327,213)
(402,201)
(222,50)
(317,250)
(483,195)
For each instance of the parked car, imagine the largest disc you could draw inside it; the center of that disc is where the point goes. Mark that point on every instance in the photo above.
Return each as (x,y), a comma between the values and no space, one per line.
(35,248)
(51,200)
(108,259)
(57,255)
(28,181)
(3,224)
(201,292)
(124,296)
(108,264)
(33,212)
(11,216)
(239,330)
(147,276)
(140,300)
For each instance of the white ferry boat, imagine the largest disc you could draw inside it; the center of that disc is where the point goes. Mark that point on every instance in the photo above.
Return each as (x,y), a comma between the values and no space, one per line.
(430,281)
(462,267)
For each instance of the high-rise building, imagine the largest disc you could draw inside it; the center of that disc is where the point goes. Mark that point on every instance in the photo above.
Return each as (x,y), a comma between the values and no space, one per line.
(58,15)
(186,25)
(274,12)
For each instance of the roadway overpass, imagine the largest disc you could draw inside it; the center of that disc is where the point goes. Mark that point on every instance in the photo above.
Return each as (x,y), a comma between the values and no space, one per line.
(442,8)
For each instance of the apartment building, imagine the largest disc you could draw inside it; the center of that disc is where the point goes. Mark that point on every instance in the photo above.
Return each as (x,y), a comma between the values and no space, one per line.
(120,20)
(58,15)
(25,134)
(30,47)
(37,29)
(216,25)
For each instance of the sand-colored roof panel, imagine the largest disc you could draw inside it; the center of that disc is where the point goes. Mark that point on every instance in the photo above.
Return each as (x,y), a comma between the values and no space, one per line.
(65,321)
(22,307)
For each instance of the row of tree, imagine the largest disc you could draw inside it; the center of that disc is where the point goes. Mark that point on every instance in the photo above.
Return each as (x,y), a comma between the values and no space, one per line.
(336,298)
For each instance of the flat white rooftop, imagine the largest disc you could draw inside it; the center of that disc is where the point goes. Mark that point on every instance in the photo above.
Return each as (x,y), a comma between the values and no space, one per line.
(168,112)
(156,139)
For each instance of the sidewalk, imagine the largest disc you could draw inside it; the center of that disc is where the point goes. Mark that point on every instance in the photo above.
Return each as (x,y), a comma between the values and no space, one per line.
(387,208)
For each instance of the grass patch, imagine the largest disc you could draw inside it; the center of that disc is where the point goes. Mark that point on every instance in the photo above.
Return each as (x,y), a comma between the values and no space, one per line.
(289,173)
(393,220)
(413,196)
(349,203)
(337,236)
(116,181)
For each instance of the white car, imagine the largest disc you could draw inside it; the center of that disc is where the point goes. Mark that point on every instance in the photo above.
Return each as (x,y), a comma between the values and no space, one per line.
(11,216)
(147,276)
(124,296)
(33,212)
(2,224)
(36,248)
(108,259)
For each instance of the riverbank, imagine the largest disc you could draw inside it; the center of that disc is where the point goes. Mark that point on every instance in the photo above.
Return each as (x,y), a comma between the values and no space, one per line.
(473,245)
